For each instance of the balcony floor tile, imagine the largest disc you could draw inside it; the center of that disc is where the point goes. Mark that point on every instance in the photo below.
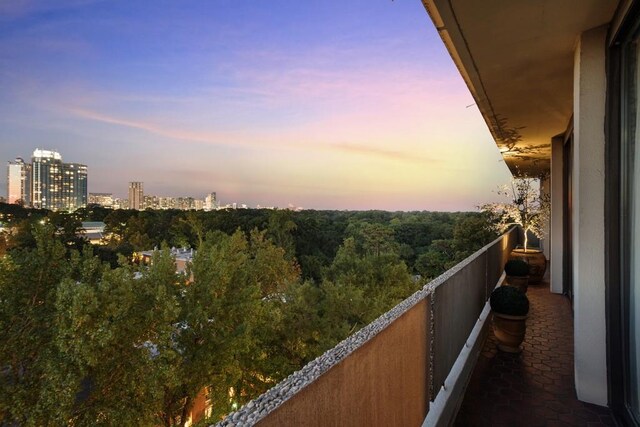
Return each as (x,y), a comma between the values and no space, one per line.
(535,387)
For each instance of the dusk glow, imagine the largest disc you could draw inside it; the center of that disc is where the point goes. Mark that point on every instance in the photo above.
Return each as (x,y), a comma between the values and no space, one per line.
(324,104)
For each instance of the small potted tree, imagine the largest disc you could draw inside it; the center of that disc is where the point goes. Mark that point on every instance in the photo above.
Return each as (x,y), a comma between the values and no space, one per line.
(510,308)
(517,272)
(528,208)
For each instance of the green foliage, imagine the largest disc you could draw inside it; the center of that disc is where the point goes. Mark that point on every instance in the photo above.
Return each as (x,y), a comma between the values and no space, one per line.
(281,226)
(115,332)
(28,281)
(471,232)
(362,284)
(516,267)
(228,312)
(509,300)
(87,342)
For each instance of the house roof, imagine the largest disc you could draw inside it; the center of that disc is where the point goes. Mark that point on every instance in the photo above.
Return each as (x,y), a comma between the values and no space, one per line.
(93,224)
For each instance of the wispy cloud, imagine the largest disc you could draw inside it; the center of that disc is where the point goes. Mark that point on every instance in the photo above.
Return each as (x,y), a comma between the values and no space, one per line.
(156,129)
(365,150)
(229,139)
(20,8)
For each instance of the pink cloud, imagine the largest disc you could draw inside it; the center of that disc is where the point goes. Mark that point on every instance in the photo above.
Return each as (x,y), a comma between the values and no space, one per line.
(230,139)
(156,129)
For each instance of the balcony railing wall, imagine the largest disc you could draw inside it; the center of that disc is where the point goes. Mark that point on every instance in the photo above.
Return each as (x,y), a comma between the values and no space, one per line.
(458,298)
(383,382)
(387,373)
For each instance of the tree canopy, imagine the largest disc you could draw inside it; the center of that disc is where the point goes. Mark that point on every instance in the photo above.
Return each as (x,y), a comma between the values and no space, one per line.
(91,338)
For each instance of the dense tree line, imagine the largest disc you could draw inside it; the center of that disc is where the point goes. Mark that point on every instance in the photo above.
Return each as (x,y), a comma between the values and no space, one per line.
(428,242)
(90,338)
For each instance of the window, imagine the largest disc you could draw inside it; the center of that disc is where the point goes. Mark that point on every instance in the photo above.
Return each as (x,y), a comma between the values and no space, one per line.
(623,214)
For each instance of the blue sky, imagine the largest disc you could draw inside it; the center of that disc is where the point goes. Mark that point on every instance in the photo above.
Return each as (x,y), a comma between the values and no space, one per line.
(321,104)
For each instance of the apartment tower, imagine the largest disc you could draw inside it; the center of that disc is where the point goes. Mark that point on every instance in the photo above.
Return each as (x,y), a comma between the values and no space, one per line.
(136,195)
(74,186)
(19,182)
(46,167)
(210,202)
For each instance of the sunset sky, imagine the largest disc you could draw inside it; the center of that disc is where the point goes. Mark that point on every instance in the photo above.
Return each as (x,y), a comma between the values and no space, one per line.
(322,104)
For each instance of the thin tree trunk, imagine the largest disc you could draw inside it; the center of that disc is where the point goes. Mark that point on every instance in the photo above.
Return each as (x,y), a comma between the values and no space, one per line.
(185,411)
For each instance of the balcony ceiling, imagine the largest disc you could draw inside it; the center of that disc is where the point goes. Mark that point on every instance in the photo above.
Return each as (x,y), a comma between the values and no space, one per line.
(516,57)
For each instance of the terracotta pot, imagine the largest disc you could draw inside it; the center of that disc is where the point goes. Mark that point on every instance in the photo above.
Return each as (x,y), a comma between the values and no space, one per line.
(520,282)
(536,260)
(509,331)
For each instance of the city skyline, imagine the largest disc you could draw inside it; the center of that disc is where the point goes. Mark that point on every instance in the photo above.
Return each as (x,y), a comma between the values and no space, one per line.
(324,105)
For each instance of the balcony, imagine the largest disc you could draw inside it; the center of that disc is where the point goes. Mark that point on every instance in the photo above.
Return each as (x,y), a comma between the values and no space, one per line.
(416,364)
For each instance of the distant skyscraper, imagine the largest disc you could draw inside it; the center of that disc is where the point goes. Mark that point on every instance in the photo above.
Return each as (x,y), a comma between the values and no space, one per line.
(46,169)
(19,182)
(210,202)
(74,186)
(136,195)
(47,183)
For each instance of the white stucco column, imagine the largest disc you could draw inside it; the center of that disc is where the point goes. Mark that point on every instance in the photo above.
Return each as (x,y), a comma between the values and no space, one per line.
(556,236)
(588,217)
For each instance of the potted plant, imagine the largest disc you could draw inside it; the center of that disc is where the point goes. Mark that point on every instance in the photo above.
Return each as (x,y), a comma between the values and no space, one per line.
(517,272)
(530,210)
(510,308)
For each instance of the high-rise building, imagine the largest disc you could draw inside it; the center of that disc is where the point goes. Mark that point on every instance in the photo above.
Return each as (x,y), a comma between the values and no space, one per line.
(74,186)
(46,168)
(136,195)
(47,183)
(19,182)
(210,202)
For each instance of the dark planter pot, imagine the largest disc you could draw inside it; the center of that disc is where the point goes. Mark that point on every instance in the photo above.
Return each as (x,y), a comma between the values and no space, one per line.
(536,260)
(509,331)
(520,282)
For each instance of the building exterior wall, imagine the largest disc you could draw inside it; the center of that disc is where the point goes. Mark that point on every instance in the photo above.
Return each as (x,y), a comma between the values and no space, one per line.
(588,183)
(201,408)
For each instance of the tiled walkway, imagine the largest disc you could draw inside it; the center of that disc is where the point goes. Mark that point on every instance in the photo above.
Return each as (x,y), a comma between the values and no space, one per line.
(535,387)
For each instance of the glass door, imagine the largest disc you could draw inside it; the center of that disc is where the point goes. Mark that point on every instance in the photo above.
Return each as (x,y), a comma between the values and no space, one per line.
(630,232)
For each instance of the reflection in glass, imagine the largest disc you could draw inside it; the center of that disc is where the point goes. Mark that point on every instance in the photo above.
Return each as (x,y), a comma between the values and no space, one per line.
(633,398)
